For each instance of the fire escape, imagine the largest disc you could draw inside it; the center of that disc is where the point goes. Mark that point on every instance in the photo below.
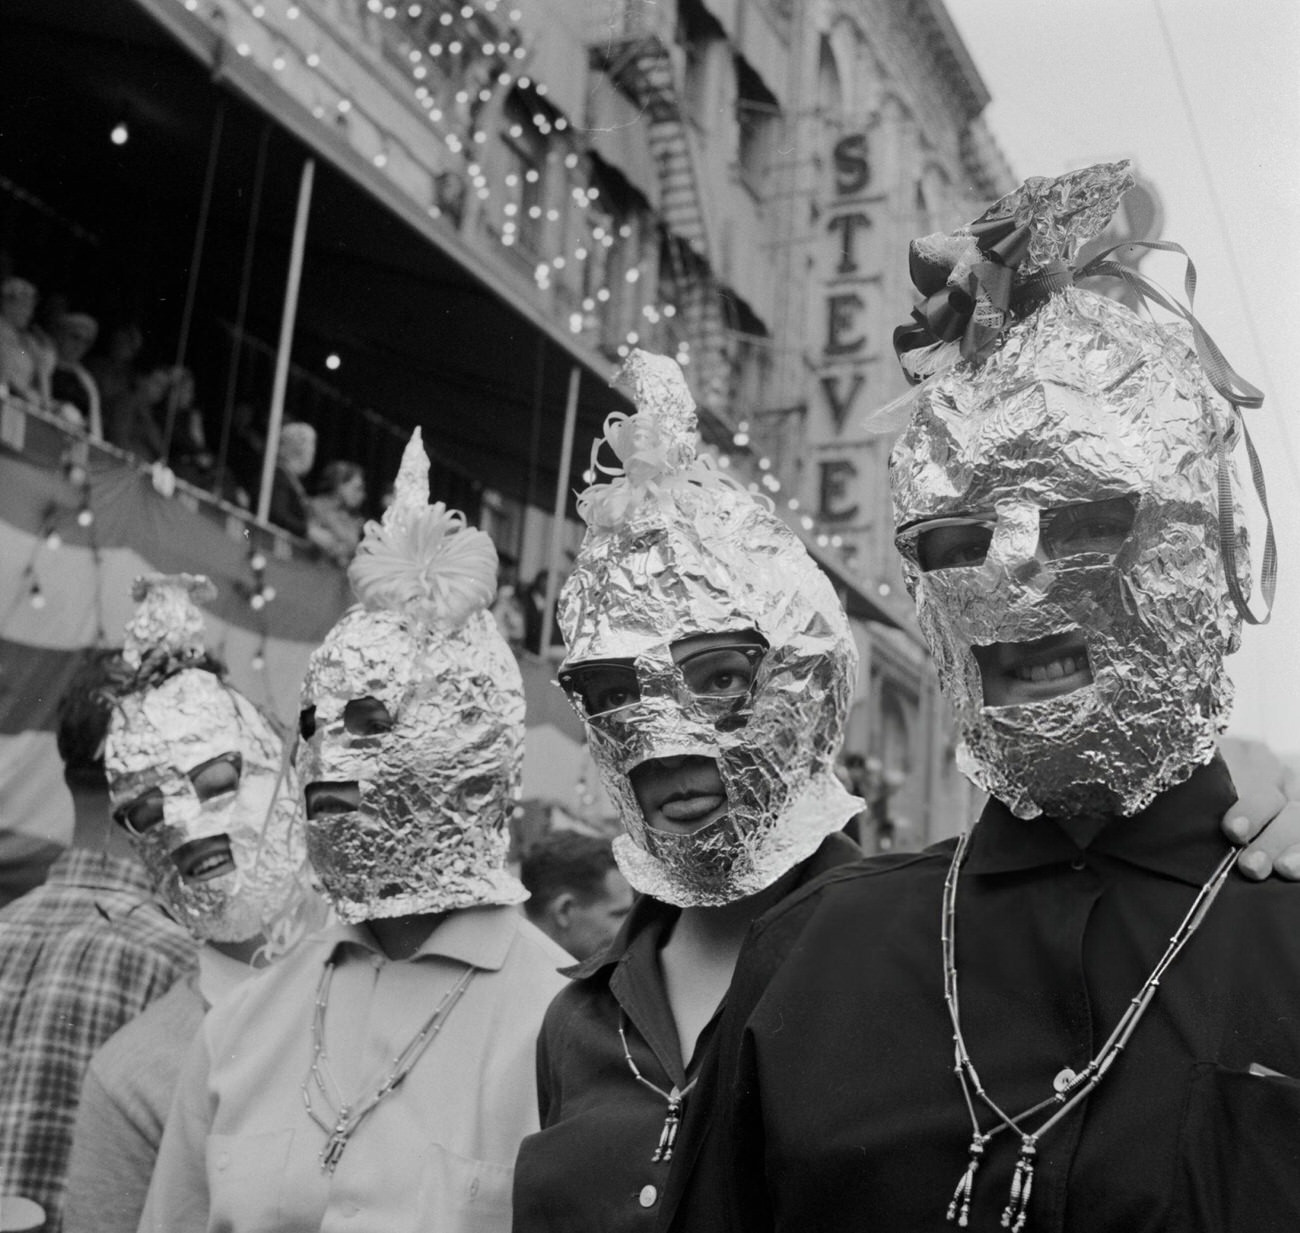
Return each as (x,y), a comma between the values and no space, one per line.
(633,42)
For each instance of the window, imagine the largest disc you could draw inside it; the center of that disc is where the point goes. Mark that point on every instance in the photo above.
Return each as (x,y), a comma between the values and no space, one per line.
(758,119)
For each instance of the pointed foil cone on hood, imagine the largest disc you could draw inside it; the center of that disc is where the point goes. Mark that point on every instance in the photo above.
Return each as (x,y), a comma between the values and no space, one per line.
(675,549)
(413,721)
(1057,505)
(199,776)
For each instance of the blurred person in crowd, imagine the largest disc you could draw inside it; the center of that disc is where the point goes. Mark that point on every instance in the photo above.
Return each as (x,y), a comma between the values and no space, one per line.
(115,371)
(576,895)
(190,457)
(138,424)
(202,789)
(294,460)
(26,357)
(533,601)
(383,1070)
(80,955)
(71,385)
(1074,1016)
(507,608)
(713,665)
(334,519)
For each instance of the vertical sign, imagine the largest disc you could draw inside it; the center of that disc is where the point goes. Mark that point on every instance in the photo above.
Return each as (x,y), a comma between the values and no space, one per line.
(845,332)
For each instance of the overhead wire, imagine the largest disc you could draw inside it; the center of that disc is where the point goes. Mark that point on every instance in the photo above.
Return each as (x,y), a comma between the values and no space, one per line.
(1212,193)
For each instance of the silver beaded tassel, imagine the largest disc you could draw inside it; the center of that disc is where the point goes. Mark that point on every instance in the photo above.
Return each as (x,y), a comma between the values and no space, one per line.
(959,1208)
(1022,1182)
(668,1136)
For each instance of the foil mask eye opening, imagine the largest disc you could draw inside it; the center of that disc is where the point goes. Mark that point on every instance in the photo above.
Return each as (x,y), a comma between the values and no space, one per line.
(720,676)
(217,776)
(141,815)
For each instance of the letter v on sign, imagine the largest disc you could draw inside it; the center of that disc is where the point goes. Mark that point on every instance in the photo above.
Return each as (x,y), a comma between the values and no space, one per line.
(840,404)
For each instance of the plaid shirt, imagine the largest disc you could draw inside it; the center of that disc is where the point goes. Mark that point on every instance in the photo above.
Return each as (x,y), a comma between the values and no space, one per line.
(79,956)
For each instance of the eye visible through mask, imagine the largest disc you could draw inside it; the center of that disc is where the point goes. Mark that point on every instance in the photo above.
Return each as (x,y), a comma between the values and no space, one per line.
(1088,527)
(723,673)
(214,778)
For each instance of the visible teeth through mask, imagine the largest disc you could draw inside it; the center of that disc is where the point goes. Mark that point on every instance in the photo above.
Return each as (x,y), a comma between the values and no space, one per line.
(199,778)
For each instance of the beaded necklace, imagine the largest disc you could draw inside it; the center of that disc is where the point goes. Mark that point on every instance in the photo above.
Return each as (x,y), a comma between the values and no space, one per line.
(1070,1087)
(675,1099)
(348,1117)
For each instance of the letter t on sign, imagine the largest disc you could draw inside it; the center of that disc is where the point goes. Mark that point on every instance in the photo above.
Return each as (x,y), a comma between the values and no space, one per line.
(838,404)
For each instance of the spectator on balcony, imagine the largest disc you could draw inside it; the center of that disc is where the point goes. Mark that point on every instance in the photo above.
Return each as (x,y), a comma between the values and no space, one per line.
(294,460)
(26,359)
(116,370)
(334,521)
(72,388)
(508,608)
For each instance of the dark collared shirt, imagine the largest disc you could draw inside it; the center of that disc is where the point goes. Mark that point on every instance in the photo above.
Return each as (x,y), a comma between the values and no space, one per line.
(841,1109)
(590,1167)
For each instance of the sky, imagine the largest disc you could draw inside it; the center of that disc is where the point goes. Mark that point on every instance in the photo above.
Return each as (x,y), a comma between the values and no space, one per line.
(1081,81)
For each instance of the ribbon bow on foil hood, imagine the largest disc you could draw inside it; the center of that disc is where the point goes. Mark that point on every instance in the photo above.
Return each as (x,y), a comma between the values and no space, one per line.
(968,285)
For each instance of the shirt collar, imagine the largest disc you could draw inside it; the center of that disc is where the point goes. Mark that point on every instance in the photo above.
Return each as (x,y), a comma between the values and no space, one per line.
(219,974)
(649,914)
(479,937)
(1179,835)
(98,870)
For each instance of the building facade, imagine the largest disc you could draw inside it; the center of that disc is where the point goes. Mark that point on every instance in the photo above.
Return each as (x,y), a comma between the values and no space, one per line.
(509,195)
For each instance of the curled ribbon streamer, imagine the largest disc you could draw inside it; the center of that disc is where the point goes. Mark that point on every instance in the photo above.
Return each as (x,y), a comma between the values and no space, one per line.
(652,469)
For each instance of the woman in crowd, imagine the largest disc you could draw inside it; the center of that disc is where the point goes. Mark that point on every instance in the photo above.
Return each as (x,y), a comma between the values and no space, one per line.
(334,520)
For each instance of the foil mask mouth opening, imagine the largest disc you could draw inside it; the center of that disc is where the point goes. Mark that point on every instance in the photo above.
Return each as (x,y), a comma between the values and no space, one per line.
(202,860)
(678,795)
(1013,673)
(330,797)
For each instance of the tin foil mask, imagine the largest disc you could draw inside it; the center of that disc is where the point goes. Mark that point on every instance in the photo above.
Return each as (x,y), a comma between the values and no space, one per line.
(198,777)
(674,551)
(413,721)
(1058,514)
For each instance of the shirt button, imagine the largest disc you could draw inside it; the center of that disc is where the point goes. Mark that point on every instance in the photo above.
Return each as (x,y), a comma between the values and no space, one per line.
(376,962)
(350,1210)
(1078,864)
(223,1160)
(647,1196)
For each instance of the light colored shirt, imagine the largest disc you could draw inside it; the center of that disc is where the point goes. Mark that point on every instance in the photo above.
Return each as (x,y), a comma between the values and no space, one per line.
(124,1101)
(240,1152)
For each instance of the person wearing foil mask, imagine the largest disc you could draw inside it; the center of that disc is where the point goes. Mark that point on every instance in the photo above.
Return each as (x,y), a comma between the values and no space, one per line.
(201,787)
(382,1072)
(712,665)
(1075,1016)
(81,954)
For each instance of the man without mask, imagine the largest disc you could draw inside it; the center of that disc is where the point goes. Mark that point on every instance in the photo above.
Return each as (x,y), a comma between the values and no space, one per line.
(387,1064)
(1048,1023)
